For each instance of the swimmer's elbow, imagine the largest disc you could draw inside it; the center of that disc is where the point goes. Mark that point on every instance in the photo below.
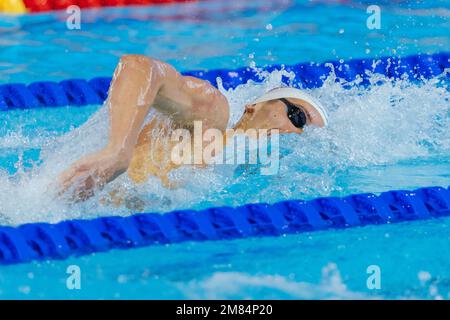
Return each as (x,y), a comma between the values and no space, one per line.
(138,79)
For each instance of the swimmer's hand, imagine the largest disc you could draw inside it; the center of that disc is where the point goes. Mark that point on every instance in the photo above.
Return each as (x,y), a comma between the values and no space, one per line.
(89,174)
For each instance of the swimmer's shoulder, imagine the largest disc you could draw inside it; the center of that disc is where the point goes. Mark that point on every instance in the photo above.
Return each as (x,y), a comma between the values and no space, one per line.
(203,100)
(210,104)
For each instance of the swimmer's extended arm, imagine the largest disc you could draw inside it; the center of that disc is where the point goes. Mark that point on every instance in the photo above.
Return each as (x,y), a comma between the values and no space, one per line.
(136,83)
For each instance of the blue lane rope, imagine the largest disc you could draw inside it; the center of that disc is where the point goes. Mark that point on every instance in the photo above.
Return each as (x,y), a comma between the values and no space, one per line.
(80,92)
(42,241)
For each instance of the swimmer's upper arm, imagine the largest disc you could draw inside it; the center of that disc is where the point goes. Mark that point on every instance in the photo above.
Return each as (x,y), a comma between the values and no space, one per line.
(139,82)
(134,81)
(185,98)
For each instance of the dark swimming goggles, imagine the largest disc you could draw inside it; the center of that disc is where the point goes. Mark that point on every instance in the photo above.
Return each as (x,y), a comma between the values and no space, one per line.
(295,114)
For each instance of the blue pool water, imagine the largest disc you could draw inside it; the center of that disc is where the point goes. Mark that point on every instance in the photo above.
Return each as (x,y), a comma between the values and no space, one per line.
(390,136)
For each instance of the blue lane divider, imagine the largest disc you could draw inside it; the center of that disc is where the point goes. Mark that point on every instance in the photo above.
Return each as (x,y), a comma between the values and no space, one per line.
(42,241)
(79,92)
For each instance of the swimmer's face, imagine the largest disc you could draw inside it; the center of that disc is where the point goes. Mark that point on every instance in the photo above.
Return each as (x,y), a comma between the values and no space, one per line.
(270,115)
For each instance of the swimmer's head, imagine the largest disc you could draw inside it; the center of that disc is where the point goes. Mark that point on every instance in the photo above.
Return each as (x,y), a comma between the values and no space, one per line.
(287,109)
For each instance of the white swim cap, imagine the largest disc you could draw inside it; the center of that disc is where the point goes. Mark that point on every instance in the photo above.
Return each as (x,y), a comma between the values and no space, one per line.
(315,110)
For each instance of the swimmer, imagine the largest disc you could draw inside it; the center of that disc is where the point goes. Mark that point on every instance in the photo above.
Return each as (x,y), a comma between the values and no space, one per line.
(141,84)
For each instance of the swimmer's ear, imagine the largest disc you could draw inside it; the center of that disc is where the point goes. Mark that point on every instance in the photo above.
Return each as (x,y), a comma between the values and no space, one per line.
(250,108)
